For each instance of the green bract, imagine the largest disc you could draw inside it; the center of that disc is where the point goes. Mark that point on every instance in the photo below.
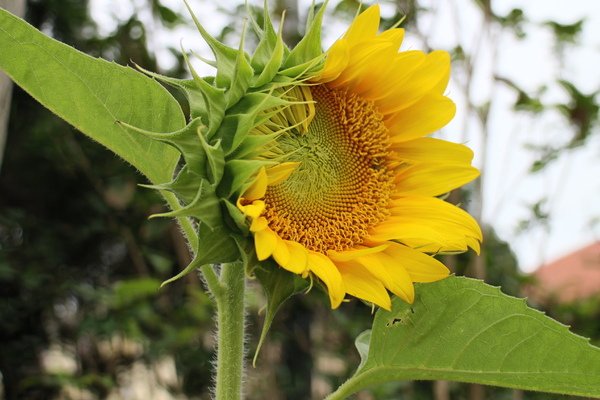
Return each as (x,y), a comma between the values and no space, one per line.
(221,146)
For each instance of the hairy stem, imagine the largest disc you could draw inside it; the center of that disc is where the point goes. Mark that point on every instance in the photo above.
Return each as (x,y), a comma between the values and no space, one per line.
(230,330)
(345,390)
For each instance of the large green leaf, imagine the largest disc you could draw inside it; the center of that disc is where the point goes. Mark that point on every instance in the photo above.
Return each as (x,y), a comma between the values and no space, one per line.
(92,95)
(461,329)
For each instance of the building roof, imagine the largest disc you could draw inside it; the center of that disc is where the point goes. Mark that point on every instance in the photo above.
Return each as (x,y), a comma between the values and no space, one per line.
(575,276)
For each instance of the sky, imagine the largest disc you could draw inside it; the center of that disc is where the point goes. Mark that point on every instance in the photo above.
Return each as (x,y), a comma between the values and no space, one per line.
(571,184)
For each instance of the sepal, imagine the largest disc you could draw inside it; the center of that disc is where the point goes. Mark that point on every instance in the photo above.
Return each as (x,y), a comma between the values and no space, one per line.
(215,246)
(238,174)
(235,217)
(251,111)
(225,56)
(242,75)
(204,207)
(268,57)
(185,185)
(279,286)
(309,48)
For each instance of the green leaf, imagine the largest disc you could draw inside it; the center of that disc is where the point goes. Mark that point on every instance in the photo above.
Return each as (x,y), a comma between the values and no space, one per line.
(461,329)
(362,344)
(127,292)
(92,95)
(279,285)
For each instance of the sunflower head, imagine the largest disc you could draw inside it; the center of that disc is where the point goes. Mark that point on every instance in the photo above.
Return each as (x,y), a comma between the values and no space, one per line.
(321,162)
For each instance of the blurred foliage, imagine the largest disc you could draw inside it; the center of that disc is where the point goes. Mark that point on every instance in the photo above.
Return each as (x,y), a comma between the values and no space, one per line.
(566,33)
(79,262)
(583,316)
(515,20)
(581,111)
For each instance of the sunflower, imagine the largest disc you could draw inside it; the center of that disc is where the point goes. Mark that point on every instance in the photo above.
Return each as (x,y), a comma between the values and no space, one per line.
(319,162)
(350,189)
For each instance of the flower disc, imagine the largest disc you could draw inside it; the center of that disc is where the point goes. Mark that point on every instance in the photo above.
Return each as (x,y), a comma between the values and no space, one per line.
(342,185)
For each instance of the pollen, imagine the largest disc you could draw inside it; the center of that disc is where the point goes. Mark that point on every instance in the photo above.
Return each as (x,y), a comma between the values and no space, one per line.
(342,185)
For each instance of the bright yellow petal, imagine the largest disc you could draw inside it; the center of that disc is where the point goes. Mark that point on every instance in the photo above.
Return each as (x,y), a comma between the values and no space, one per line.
(362,284)
(423,81)
(421,267)
(395,36)
(440,87)
(349,255)
(372,61)
(430,150)
(433,179)
(252,210)
(298,262)
(259,224)
(391,273)
(367,70)
(401,68)
(364,27)
(327,272)
(265,242)
(280,172)
(281,253)
(431,113)
(430,225)
(258,188)
(362,60)
(336,61)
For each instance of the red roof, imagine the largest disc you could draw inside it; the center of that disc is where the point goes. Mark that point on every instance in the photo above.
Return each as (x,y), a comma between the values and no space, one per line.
(575,276)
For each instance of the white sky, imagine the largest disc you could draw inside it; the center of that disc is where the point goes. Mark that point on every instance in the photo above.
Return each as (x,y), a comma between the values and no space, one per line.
(571,184)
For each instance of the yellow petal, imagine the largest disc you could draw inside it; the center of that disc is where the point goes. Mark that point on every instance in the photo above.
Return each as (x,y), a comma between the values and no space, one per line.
(252,210)
(429,225)
(326,271)
(440,87)
(280,172)
(259,224)
(363,58)
(364,27)
(391,274)
(423,81)
(369,68)
(421,267)
(431,113)
(265,242)
(433,179)
(336,61)
(258,188)
(395,36)
(432,150)
(360,283)
(401,68)
(298,262)
(281,253)
(348,255)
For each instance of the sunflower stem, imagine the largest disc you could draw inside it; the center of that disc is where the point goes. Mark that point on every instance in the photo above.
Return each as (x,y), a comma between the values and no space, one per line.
(352,385)
(212,280)
(230,331)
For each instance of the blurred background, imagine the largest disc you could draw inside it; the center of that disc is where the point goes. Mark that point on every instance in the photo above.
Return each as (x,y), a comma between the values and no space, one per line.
(81,316)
